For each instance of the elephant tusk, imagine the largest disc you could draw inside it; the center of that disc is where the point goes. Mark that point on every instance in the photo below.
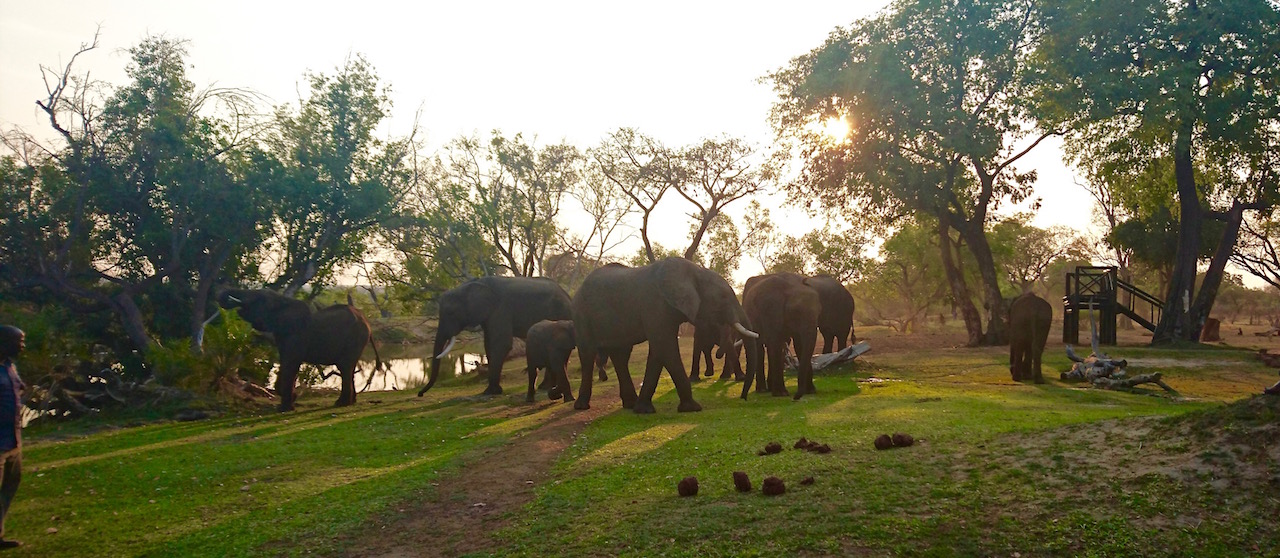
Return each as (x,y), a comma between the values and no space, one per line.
(234,299)
(744,331)
(447,348)
(737,344)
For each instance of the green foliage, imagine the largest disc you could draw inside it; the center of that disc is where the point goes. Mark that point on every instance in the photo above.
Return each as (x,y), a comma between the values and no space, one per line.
(908,282)
(334,182)
(231,350)
(1025,253)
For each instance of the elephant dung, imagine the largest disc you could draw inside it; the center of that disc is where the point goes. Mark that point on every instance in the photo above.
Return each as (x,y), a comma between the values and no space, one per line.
(807,481)
(771,448)
(773,486)
(883,442)
(688,486)
(802,444)
(820,448)
(903,440)
(741,481)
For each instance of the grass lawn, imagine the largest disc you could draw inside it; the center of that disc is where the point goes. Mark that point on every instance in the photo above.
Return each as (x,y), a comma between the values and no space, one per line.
(999,469)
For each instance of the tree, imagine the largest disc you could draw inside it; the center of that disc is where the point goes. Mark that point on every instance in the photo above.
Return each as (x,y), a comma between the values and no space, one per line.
(642,169)
(334,181)
(1187,82)
(514,190)
(907,282)
(1025,252)
(933,96)
(713,174)
(608,209)
(1257,253)
(144,202)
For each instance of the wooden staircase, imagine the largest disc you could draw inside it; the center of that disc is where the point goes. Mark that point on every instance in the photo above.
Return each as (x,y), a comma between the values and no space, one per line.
(1098,288)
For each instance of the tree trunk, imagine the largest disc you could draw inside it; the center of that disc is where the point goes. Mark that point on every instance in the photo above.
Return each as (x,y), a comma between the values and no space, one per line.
(1175,322)
(131,318)
(1213,276)
(975,237)
(959,290)
(692,250)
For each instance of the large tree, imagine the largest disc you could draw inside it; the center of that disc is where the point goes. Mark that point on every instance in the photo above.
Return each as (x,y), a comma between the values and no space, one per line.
(334,180)
(932,93)
(140,204)
(1193,83)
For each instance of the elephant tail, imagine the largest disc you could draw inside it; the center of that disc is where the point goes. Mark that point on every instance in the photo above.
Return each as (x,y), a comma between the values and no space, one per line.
(378,364)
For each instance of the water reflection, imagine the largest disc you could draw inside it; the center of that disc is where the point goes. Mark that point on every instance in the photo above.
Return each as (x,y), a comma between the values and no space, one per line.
(407,371)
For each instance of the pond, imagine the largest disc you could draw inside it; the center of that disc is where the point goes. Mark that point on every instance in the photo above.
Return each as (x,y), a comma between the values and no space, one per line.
(409,367)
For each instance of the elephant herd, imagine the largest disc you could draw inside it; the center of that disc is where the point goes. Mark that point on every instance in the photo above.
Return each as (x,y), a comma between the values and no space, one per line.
(616,308)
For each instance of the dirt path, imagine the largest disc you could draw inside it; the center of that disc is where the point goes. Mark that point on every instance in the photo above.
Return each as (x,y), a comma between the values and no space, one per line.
(469,507)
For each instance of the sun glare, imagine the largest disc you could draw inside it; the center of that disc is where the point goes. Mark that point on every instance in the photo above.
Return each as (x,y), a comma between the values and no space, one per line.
(836,129)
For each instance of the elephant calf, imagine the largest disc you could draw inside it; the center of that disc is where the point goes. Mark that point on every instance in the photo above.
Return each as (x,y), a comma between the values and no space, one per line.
(1029,319)
(548,346)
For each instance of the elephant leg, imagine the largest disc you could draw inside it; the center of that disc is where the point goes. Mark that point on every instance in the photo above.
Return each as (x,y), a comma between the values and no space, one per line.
(587,359)
(533,378)
(652,369)
(1014,361)
(827,341)
(347,396)
(675,368)
(695,366)
(285,380)
(622,369)
(1035,364)
(496,347)
(558,371)
(804,353)
(777,363)
(601,359)
(711,364)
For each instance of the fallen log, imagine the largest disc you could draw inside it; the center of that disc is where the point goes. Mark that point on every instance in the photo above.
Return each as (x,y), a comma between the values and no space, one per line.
(824,360)
(1105,372)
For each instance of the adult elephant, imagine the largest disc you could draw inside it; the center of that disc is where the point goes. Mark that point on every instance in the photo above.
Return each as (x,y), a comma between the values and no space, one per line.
(504,307)
(618,306)
(1029,319)
(836,319)
(784,310)
(547,347)
(335,335)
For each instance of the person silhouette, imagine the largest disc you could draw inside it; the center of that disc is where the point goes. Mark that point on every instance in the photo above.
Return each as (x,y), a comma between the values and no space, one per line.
(12,342)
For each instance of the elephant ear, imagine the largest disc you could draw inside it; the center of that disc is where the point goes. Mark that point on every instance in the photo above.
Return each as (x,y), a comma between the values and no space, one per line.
(481,301)
(679,287)
(284,315)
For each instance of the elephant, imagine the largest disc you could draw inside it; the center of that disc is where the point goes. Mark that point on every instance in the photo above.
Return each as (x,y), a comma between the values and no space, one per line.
(335,335)
(783,308)
(836,319)
(1029,319)
(618,307)
(707,338)
(548,346)
(504,307)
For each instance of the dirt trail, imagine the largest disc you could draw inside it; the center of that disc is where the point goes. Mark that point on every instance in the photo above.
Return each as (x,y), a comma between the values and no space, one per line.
(469,507)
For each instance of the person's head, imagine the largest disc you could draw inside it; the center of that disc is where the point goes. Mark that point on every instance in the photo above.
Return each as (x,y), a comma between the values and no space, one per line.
(12,341)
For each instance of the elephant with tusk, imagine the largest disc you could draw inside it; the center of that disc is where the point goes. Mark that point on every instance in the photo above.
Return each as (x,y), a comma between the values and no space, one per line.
(618,307)
(503,308)
(335,335)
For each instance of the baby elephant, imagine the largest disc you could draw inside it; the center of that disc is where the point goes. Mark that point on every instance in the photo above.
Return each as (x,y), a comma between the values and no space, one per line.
(548,346)
(1029,320)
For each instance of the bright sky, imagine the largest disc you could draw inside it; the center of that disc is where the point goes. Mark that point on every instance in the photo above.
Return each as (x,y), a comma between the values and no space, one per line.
(555,70)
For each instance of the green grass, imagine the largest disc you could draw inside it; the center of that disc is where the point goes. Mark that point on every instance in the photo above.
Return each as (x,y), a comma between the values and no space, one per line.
(1000,468)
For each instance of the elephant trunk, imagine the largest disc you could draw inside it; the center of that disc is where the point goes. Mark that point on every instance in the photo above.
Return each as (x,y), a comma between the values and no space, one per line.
(755,366)
(444,343)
